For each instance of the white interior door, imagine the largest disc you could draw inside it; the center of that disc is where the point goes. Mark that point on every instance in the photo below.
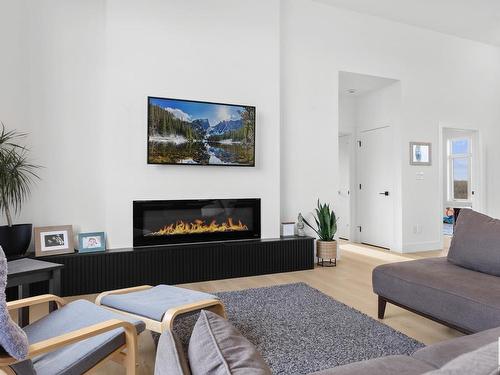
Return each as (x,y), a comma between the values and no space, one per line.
(343,204)
(375,178)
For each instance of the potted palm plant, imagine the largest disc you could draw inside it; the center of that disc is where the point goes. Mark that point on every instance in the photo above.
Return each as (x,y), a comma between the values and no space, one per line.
(17,175)
(326,227)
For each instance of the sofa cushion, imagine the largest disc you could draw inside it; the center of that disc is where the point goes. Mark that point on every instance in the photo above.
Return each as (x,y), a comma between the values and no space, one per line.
(24,368)
(436,287)
(81,356)
(153,303)
(482,361)
(170,358)
(476,243)
(13,339)
(441,353)
(217,348)
(391,365)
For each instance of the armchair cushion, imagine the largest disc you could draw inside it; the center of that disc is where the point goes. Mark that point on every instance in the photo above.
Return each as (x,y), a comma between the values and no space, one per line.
(13,339)
(476,243)
(79,357)
(153,303)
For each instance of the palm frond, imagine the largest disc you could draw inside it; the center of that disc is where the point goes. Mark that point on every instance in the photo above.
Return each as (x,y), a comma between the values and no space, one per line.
(17,173)
(326,222)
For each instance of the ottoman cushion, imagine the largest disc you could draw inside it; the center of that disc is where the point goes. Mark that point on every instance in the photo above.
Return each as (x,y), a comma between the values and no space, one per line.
(153,303)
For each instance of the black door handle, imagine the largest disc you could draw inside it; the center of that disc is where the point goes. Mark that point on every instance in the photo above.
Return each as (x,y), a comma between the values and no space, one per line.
(386,193)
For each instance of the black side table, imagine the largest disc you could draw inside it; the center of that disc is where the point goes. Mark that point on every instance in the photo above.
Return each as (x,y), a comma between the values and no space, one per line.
(26,271)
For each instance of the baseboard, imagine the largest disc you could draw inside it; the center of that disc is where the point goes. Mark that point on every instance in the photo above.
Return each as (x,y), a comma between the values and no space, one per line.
(416,247)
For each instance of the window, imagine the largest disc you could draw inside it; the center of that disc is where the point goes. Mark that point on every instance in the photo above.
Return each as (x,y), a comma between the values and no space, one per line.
(459,169)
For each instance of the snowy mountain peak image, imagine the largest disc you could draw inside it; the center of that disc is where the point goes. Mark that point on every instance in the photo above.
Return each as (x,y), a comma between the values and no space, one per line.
(192,132)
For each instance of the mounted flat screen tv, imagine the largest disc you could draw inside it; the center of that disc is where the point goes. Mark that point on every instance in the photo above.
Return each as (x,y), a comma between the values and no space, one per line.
(190,132)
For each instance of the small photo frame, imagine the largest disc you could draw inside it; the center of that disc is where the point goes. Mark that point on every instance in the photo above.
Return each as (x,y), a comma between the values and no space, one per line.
(54,240)
(91,242)
(420,153)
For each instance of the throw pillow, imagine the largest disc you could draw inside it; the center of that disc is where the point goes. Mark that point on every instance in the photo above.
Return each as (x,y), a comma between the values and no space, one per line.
(12,337)
(476,243)
(217,348)
(170,358)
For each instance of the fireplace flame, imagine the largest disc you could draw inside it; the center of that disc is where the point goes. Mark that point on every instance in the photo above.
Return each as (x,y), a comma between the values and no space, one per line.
(199,226)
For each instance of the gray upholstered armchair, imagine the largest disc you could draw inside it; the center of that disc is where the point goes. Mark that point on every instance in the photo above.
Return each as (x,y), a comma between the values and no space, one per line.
(74,339)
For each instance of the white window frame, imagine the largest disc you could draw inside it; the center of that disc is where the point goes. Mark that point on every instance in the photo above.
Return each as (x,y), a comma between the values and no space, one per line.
(451,157)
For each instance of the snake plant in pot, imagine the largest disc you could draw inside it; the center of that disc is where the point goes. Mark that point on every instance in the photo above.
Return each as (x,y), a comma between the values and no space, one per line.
(326,228)
(17,175)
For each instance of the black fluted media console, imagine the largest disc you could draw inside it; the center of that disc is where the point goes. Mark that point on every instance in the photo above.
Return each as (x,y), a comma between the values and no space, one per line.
(183,263)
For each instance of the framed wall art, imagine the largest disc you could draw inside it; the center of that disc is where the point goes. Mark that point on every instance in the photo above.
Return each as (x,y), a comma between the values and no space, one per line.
(420,153)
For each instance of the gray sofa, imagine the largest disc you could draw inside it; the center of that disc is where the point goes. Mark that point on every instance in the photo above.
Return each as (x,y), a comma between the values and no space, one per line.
(461,290)
(216,347)
(475,354)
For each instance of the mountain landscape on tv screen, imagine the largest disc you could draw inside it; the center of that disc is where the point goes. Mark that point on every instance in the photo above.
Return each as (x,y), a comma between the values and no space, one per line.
(187,132)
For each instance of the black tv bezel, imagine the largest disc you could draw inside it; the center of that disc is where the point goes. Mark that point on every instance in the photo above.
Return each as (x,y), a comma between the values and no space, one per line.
(201,165)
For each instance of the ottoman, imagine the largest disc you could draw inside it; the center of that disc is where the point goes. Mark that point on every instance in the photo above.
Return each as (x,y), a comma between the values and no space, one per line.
(158,306)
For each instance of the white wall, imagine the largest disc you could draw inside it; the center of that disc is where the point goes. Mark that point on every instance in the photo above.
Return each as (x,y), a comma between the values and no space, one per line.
(13,64)
(193,50)
(92,63)
(347,114)
(443,78)
(79,71)
(65,96)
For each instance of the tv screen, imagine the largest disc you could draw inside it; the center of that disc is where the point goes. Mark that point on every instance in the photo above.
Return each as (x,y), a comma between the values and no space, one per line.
(200,133)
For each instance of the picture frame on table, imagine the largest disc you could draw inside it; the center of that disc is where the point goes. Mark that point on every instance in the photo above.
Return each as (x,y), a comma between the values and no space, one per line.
(91,242)
(54,240)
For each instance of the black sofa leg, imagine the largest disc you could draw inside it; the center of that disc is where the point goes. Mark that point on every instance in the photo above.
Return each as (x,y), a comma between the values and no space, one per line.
(381,307)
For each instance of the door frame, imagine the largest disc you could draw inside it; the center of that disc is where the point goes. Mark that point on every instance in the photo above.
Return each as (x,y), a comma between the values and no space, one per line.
(478,153)
(351,184)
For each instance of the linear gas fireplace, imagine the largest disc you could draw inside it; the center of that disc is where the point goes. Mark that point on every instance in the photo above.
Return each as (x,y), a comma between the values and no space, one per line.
(180,221)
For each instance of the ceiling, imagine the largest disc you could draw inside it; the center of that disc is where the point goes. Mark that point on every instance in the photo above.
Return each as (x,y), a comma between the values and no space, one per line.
(360,83)
(477,20)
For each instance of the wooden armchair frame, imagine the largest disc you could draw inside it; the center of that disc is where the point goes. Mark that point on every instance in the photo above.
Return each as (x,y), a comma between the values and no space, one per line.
(167,322)
(128,359)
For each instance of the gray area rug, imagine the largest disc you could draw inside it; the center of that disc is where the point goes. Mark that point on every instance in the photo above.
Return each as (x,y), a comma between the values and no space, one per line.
(299,330)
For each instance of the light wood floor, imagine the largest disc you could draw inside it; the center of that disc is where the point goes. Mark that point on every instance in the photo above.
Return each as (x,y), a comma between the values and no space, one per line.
(349,282)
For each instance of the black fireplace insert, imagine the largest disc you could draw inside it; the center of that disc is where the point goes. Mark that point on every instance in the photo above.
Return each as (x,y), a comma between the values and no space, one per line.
(164,222)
